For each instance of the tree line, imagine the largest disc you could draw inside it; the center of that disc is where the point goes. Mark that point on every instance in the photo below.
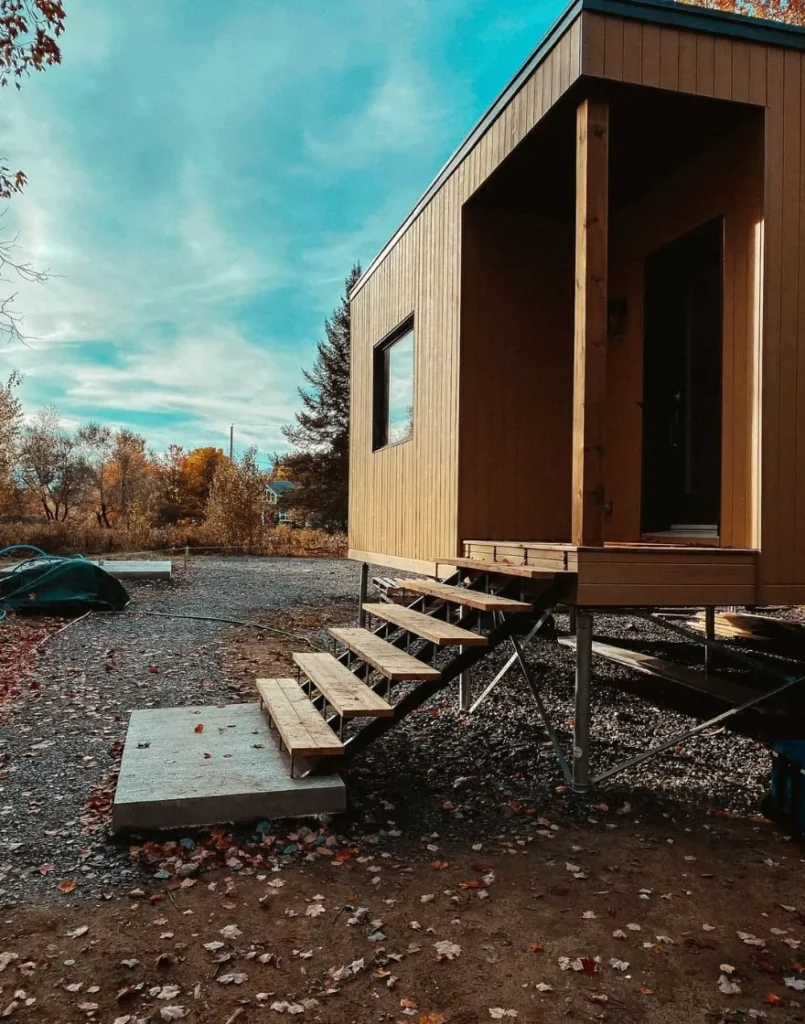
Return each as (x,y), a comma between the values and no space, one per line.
(109,477)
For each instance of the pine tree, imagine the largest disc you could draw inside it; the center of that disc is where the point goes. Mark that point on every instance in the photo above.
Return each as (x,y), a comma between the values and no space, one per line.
(319,461)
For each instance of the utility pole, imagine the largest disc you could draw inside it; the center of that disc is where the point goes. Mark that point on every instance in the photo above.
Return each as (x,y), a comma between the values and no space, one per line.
(231,441)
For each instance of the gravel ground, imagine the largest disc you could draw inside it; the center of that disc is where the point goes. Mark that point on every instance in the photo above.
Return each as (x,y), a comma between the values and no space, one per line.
(482,770)
(57,746)
(488,764)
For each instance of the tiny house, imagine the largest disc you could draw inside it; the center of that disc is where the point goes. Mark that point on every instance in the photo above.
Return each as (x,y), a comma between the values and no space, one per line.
(579,353)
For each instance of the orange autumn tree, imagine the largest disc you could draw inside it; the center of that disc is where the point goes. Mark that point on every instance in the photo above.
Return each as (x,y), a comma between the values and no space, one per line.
(791,11)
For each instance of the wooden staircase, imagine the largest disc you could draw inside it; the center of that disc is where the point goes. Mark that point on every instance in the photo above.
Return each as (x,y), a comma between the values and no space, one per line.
(443,631)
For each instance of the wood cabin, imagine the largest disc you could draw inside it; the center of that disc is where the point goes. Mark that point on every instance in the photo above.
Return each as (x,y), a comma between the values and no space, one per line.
(579,354)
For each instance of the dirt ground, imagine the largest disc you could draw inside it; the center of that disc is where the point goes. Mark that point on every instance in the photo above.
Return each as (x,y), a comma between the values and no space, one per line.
(542,911)
(608,920)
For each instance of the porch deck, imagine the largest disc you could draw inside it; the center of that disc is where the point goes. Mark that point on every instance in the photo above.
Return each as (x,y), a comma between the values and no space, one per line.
(630,574)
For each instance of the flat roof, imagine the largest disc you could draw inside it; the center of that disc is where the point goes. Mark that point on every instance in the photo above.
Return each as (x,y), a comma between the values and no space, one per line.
(674,13)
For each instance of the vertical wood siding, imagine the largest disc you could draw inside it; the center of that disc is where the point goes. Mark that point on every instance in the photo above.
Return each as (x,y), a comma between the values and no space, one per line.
(516,392)
(404,499)
(771,77)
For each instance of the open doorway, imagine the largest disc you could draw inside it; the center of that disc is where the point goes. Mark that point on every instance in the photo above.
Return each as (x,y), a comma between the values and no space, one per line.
(681,483)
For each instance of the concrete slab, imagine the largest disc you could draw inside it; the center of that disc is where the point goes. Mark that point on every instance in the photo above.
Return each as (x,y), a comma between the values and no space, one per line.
(167,782)
(121,569)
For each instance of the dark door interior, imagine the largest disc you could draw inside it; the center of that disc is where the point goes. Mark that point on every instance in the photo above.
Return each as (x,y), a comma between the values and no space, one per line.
(682,382)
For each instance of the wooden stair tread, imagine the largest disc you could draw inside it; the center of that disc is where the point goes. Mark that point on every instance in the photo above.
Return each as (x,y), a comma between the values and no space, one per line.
(499,568)
(437,631)
(300,725)
(387,659)
(460,595)
(347,694)
(685,675)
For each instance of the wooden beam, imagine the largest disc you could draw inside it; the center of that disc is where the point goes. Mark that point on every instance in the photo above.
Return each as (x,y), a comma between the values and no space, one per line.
(590,356)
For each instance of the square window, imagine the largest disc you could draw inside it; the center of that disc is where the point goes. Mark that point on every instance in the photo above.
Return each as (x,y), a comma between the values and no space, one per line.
(394,387)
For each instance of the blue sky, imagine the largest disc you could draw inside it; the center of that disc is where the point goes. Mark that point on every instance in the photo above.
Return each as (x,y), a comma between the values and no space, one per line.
(202,174)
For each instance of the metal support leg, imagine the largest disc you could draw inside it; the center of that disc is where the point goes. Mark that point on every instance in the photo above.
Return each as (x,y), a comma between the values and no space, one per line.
(581,727)
(362,595)
(464,687)
(710,634)
(571,621)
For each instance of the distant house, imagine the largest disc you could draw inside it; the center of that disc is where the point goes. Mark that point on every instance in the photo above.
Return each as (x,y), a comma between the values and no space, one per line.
(274,491)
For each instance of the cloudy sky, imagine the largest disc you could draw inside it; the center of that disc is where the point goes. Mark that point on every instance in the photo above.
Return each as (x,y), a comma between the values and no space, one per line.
(202,174)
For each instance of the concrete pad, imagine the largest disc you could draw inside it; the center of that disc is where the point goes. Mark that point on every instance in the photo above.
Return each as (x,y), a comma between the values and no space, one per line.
(166,782)
(119,568)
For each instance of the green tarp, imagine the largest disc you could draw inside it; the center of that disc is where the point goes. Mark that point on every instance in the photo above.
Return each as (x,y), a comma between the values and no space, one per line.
(61,586)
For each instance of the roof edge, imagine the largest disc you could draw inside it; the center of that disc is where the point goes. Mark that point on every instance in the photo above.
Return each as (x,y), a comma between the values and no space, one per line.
(675,13)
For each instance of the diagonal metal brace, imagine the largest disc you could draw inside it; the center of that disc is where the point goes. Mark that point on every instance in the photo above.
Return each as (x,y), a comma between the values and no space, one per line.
(543,711)
(506,668)
(667,744)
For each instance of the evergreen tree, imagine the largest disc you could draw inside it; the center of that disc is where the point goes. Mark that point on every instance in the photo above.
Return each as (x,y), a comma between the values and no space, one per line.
(319,461)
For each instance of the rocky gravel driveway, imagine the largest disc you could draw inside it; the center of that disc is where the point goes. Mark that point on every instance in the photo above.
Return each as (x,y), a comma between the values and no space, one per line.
(440,771)
(57,746)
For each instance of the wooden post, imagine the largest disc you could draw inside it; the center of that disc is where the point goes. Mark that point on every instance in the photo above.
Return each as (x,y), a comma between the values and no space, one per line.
(590,355)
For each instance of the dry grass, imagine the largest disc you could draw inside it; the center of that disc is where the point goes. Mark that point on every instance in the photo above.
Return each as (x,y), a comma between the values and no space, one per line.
(84,538)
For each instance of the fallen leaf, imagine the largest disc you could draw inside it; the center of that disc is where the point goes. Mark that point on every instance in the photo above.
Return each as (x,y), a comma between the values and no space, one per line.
(230,931)
(728,986)
(314,910)
(199,727)
(772,1000)
(78,932)
(446,950)
(236,978)
(67,885)
(542,987)
(798,984)
(498,1013)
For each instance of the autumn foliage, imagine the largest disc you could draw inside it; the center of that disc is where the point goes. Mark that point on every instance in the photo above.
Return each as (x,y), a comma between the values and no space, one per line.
(29,41)
(791,11)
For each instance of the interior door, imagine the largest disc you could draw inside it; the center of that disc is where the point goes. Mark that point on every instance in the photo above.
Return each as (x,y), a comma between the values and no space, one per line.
(682,384)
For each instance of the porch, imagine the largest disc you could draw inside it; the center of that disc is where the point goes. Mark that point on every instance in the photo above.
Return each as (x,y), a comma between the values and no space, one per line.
(610,338)
(621,575)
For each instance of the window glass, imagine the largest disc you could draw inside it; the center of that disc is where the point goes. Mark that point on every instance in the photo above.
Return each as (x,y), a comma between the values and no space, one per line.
(400,356)
(394,389)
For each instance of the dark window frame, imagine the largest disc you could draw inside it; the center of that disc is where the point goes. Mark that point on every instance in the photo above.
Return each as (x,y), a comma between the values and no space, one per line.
(380,385)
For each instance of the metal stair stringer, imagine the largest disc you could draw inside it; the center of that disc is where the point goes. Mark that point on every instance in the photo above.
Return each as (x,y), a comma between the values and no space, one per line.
(461,663)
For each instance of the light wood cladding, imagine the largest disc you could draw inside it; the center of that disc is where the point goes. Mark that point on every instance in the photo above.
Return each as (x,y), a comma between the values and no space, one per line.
(404,498)
(590,330)
(770,459)
(516,375)
(416,501)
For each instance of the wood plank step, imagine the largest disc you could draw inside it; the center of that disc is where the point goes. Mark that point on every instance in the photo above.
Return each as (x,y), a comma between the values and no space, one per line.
(387,659)
(500,568)
(692,678)
(347,694)
(302,728)
(460,595)
(439,632)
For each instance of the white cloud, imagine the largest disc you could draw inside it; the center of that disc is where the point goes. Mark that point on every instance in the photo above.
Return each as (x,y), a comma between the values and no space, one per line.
(178,184)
